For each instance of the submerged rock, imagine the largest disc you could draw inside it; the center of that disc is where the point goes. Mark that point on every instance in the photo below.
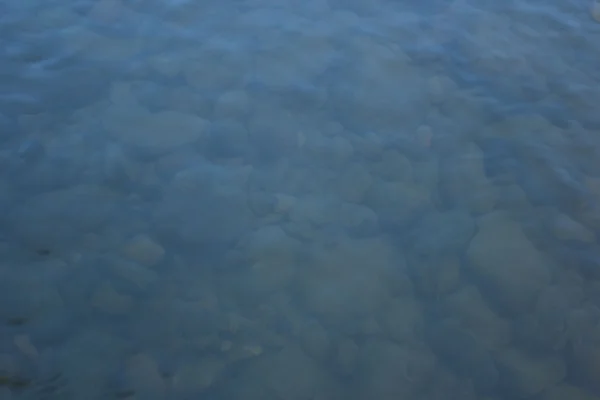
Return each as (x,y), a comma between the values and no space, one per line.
(289,373)
(130,123)
(463,182)
(60,218)
(463,352)
(227,139)
(509,268)
(567,391)
(443,233)
(435,276)
(524,376)
(353,183)
(475,316)
(144,377)
(194,378)
(347,283)
(500,157)
(391,371)
(397,204)
(144,250)
(205,205)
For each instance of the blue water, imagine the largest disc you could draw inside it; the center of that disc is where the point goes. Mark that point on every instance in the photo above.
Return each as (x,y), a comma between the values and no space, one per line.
(299,200)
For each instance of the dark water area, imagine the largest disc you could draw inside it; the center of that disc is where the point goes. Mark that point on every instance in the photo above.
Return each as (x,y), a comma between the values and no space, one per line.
(299,200)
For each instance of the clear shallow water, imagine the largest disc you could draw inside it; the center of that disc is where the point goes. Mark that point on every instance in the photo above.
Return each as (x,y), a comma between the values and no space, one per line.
(299,200)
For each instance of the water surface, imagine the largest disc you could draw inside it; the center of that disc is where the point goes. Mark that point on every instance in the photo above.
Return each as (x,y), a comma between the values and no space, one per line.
(299,200)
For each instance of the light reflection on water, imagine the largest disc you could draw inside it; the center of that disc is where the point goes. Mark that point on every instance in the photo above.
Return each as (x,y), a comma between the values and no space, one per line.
(299,200)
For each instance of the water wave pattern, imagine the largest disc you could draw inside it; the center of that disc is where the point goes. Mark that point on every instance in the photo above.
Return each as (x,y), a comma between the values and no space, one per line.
(299,200)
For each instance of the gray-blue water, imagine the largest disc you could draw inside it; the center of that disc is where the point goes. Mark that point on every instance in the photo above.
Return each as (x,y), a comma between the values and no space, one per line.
(299,200)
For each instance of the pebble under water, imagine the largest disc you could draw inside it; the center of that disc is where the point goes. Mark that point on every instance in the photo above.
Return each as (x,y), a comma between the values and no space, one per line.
(299,200)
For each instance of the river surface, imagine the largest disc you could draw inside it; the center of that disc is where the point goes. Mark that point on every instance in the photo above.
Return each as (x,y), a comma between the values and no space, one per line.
(299,200)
